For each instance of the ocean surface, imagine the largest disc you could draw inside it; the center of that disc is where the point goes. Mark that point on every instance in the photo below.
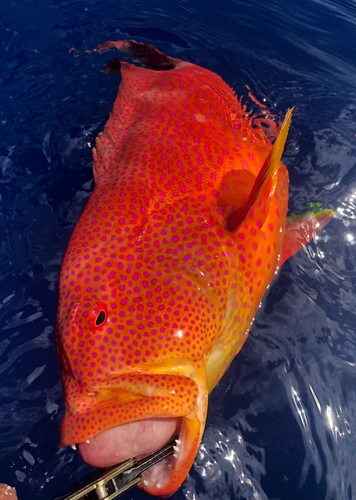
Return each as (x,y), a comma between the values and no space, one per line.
(281,424)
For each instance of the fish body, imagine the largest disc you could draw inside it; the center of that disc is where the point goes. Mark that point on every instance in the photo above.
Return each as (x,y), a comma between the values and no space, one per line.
(167,265)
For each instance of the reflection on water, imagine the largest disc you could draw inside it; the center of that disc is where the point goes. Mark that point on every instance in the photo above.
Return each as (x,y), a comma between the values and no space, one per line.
(281,422)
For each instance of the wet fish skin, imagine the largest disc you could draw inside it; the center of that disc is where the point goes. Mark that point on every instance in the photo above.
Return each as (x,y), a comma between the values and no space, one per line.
(166,267)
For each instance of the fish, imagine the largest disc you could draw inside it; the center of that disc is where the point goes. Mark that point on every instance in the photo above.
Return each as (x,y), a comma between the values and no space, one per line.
(167,265)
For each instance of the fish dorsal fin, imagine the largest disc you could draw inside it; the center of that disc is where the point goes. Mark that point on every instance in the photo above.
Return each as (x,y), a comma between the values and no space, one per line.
(270,166)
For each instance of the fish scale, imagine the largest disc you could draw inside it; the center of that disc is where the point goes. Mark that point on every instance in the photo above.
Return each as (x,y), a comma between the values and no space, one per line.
(158,288)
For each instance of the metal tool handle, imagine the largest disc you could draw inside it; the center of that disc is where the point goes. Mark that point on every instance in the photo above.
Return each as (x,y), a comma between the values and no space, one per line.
(104,488)
(116,480)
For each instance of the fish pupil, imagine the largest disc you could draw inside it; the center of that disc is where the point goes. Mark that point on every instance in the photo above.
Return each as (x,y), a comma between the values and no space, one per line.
(100,318)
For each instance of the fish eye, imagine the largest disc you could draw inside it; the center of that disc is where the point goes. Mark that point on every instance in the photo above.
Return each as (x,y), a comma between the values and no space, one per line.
(91,315)
(100,319)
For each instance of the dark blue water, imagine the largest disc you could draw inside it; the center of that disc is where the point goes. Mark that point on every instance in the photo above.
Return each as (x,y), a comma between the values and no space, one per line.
(281,424)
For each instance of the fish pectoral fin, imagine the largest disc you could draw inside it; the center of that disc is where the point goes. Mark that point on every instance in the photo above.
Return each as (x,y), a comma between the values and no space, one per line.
(301,229)
(269,168)
(234,190)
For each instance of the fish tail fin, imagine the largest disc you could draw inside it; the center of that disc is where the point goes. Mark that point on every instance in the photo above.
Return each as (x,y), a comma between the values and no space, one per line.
(143,53)
(269,167)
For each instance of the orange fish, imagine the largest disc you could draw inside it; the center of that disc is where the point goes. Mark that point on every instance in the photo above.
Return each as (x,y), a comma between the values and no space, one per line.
(166,268)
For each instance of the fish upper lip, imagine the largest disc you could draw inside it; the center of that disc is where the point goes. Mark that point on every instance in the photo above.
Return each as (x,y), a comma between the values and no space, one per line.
(181,398)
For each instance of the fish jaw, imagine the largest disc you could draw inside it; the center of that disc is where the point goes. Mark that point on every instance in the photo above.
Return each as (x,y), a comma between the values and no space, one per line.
(167,476)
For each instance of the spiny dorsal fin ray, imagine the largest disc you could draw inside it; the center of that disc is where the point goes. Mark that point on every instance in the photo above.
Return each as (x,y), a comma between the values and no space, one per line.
(270,166)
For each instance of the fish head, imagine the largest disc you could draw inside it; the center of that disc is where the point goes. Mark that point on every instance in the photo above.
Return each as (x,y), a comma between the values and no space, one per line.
(134,327)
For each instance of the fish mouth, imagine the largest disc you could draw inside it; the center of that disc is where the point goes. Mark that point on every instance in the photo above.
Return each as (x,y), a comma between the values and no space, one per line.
(141,438)
(132,424)
(134,439)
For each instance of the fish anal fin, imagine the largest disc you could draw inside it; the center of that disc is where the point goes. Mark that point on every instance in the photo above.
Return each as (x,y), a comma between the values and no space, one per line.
(269,168)
(301,229)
